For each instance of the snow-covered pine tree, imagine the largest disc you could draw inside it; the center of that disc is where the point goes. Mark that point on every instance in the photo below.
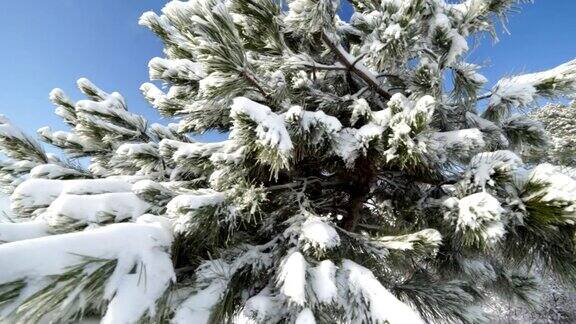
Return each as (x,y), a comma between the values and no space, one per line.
(359,183)
(559,123)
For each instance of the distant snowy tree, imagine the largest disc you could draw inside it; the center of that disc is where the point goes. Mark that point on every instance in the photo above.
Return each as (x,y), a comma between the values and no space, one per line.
(559,122)
(356,185)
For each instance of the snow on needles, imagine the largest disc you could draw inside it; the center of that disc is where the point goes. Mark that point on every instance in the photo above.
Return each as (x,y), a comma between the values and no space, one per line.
(52,171)
(318,234)
(382,306)
(309,120)
(270,128)
(560,189)
(480,216)
(141,244)
(323,281)
(305,317)
(194,201)
(34,193)
(484,166)
(292,278)
(8,130)
(98,208)
(198,307)
(10,232)
(180,206)
(521,90)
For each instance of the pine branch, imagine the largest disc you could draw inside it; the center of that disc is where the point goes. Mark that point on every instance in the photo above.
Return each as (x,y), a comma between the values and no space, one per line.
(252,80)
(355,65)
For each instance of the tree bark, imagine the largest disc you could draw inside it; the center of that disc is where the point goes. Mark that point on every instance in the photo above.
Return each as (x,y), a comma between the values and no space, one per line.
(364,175)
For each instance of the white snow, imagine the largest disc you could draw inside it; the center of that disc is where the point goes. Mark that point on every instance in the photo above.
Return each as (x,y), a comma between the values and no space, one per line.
(305,317)
(8,130)
(197,308)
(347,146)
(34,193)
(298,11)
(369,132)
(319,235)
(5,211)
(469,71)
(458,47)
(271,130)
(212,276)
(194,201)
(309,120)
(97,208)
(484,165)
(166,69)
(52,171)
(429,237)
(231,154)
(481,212)
(258,309)
(470,138)
(423,107)
(131,149)
(58,94)
(382,117)
(189,153)
(65,139)
(440,20)
(381,305)
(154,95)
(323,281)
(462,142)
(292,278)
(521,90)
(135,124)
(141,244)
(10,232)
(360,108)
(393,31)
(106,105)
(84,83)
(350,143)
(561,188)
(409,118)
(10,133)
(180,206)
(110,105)
(301,80)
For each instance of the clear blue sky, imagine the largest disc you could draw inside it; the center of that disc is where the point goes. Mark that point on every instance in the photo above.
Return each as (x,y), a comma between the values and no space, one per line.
(47,44)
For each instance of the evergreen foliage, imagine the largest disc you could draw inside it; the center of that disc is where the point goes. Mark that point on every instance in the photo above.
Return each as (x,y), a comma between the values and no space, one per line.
(559,123)
(355,186)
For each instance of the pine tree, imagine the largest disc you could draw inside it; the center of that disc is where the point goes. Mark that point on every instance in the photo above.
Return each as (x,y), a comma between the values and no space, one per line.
(366,177)
(559,122)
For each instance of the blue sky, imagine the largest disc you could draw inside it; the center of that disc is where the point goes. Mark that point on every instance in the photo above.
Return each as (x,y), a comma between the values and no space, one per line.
(49,44)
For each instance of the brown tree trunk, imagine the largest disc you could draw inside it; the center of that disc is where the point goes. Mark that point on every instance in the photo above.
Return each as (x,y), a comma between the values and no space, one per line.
(362,178)
(354,212)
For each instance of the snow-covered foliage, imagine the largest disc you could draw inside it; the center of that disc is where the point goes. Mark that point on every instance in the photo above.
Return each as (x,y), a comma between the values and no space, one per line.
(479,218)
(357,184)
(554,126)
(559,124)
(523,90)
(66,270)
